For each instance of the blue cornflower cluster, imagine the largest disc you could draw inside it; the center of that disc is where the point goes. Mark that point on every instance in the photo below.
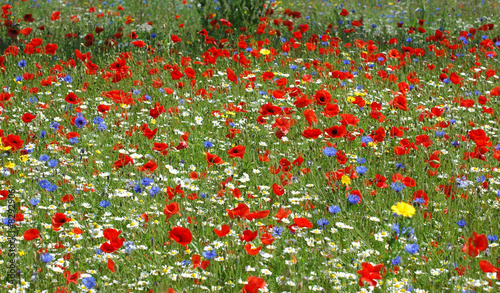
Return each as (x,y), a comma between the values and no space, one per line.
(45,184)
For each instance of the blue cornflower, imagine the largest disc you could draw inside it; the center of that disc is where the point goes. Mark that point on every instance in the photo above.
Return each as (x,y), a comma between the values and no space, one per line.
(80,122)
(51,188)
(209,254)
(446,80)
(334,209)
(353,199)
(361,170)
(21,63)
(102,127)
(277,230)
(44,184)
(129,247)
(346,62)
(293,67)
(34,201)
(137,188)
(89,282)
(146,181)
(374,26)
(412,248)
(43,133)
(104,203)
(419,200)
(492,238)
(44,158)
(154,190)
(52,163)
(208,144)
(136,92)
(455,143)
(153,35)
(329,152)
(46,258)
(398,186)
(361,160)
(461,223)
(98,120)
(203,195)
(366,139)
(480,179)
(8,221)
(322,223)
(395,261)
(68,79)
(73,140)
(396,229)
(19,78)
(148,97)
(462,182)
(440,133)
(400,166)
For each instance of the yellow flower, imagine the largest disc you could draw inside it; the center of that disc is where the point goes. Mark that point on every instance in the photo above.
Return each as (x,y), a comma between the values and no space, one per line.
(4,148)
(9,164)
(345,180)
(404,209)
(265,52)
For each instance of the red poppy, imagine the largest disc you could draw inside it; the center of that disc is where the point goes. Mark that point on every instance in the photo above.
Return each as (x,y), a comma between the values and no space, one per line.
(111,265)
(495,91)
(250,251)
(223,231)
(248,235)
(71,278)
(370,273)
(213,159)
(423,140)
(58,220)
(67,198)
(240,211)
(487,267)
(149,133)
(266,239)
(322,97)
(120,97)
(149,167)
(257,215)
(303,222)
(269,110)
(253,285)
(181,235)
(28,117)
(72,98)
(331,110)
(14,141)
(349,119)
(302,102)
(123,160)
(4,194)
(335,131)
(50,49)
(475,244)
(31,234)
(278,189)
(236,152)
(171,209)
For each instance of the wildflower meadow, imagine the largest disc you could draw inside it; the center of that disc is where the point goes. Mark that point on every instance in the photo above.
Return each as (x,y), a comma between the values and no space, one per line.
(249,146)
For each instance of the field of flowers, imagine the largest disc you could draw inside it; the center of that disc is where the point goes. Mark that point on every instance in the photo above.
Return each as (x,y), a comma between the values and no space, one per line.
(154,146)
